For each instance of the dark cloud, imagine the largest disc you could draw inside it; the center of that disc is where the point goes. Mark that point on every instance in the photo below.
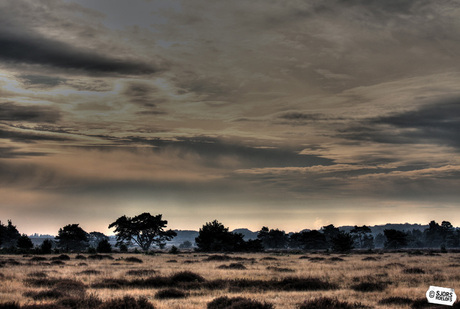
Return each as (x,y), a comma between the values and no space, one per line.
(13,112)
(26,49)
(30,136)
(212,150)
(437,123)
(13,152)
(42,80)
(296,116)
(393,6)
(142,94)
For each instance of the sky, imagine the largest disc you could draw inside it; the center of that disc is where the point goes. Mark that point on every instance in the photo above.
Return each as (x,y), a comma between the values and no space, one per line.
(286,114)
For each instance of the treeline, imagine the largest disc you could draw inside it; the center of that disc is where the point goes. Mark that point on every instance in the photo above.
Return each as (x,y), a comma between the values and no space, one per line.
(146,231)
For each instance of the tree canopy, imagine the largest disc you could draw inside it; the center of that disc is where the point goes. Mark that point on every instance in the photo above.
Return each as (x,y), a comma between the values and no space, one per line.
(144,230)
(72,238)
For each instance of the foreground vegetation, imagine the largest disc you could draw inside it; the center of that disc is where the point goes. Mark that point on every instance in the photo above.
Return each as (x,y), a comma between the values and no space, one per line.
(249,280)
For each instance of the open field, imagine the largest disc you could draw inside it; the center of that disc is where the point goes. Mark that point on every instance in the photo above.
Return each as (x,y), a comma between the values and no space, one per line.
(385,280)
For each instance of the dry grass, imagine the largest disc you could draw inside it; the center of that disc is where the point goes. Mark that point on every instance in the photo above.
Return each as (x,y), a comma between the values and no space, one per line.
(390,280)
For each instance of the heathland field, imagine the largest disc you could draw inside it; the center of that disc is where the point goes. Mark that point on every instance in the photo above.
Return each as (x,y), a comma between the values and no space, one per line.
(193,280)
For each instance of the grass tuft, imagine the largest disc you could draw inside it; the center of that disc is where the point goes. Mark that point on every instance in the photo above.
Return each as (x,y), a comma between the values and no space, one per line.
(233,266)
(329,303)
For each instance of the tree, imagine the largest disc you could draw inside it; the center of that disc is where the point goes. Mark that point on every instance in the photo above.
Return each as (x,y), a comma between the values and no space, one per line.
(330,231)
(215,237)
(94,238)
(185,245)
(362,236)
(46,246)
(342,242)
(72,238)
(104,246)
(9,235)
(274,239)
(308,240)
(145,230)
(395,239)
(24,242)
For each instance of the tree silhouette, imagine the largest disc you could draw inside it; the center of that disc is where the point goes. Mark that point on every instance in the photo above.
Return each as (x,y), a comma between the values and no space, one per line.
(72,238)
(342,242)
(24,242)
(9,235)
(46,246)
(145,230)
(104,246)
(274,239)
(395,239)
(362,236)
(308,240)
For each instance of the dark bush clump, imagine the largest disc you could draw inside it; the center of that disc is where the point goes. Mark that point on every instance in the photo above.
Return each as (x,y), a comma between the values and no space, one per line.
(171,261)
(395,301)
(62,257)
(110,284)
(304,257)
(414,270)
(133,260)
(38,259)
(90,272)
(237,303)
(141,272)
(329,303)
(369,286)
(232,266)
(57,262)
(187,276)
(80,257)
(218,258)
(47,294)
(369,258)
(170,293)
(280,269)
(100,257)
(127,302)
(336,259)
(10,305)
(303,284)
(82,302)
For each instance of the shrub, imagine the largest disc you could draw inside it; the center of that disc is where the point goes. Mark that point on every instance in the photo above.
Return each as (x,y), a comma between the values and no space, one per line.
(10,305)
(369,286)
(233,266)
(100,257)
(414,270)
(280,269)
(57,262)
(127,302)
(171,261)
(269,258)
(83,302)
(187,276)
(329,303)
(62,257)
(304,284)
(369,258)
(90,272)
(218,258)
(141,272)
(170,293)
(336,259)
(395,301)
(38,259)
(237,303)
(80,257)
(133,260)
(47,294)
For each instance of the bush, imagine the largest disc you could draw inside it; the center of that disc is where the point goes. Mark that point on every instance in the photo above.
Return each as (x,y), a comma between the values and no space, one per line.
(187,276)
(62,257)
(170,293)
(100,257)
(414,270)
(141,272)
(329,303)
(10,305)
(369,286)
(237,303)
(280,269)
(127,302)
(83,302)
(396,301)
(133,260)
(233,266)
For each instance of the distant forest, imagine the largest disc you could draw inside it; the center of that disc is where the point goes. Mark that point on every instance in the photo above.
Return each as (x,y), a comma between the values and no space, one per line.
(145,232)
